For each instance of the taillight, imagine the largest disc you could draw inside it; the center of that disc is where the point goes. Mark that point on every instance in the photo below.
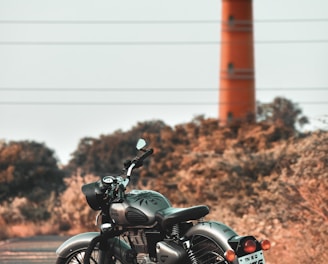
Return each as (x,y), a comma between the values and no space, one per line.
(249,246)
(265,244)
(230,255)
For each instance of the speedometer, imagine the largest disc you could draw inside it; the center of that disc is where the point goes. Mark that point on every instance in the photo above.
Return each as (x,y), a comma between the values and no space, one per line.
(108,179)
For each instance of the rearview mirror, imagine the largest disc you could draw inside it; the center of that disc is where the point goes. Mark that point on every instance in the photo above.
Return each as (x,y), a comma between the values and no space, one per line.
(141,144)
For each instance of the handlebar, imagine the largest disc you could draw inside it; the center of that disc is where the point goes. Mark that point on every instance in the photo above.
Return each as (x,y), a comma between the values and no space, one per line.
(108,182)
(138,161)
(113,186)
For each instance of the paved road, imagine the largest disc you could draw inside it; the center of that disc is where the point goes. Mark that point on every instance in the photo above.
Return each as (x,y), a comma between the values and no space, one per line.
(40,249)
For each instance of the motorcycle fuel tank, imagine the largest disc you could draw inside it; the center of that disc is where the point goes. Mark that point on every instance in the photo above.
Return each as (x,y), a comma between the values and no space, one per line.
(139,207)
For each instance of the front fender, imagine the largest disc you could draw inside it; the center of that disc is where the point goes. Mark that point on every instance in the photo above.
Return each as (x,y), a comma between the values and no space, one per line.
(78,242)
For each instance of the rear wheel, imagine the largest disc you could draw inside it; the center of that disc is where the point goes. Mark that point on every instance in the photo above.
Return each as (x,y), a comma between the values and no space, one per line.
(204,250)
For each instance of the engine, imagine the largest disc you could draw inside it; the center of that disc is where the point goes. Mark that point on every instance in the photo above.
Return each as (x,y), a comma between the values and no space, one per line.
(151,247)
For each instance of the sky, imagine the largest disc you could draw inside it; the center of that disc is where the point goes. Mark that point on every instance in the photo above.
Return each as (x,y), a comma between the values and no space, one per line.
(74,69)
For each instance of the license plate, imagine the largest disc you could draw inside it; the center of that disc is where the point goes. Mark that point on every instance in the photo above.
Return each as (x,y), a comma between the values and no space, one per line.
(254,258)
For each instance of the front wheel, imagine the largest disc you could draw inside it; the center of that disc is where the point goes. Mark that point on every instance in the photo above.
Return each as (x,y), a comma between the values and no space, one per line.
(204,250)
(87,245)
(77,257)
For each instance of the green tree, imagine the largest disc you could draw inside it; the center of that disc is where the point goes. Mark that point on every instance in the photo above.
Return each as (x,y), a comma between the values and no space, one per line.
(281,112)
(107,153)
(28,169)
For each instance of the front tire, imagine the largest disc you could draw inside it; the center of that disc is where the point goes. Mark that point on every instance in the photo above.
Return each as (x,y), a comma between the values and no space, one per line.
(77,257)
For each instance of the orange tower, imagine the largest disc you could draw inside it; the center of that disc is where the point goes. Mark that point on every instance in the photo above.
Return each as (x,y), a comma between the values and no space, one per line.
(237,76)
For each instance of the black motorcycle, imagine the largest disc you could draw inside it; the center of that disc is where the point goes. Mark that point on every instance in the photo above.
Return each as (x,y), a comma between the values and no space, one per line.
(141,226)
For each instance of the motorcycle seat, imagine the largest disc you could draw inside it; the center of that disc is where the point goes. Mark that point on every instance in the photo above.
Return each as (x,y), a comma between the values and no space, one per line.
(171,216)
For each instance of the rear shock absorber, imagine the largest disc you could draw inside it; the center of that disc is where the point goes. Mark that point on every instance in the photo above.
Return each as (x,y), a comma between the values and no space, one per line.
(190,252)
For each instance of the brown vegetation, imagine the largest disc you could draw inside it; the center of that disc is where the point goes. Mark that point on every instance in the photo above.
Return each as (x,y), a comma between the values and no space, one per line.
(263,179)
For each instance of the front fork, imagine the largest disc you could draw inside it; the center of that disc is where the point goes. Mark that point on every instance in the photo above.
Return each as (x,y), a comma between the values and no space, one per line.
(109,249)
(106,253)
(92,245)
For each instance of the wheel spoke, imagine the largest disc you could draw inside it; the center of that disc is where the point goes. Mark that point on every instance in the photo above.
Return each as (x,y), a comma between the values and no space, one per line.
(206,250)
(78,257)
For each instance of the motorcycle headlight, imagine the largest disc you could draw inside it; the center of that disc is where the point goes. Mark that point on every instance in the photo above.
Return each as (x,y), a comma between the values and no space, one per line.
(94,195)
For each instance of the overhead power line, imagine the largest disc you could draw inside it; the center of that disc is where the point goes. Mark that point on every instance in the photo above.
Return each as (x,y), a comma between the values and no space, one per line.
(194,21)
(154,43)
(122,103)
(104,103)
(151,90)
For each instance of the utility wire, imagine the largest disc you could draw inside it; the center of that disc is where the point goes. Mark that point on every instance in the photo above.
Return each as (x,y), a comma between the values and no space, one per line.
(57,103)
(154,43)
(105,103)
(211,21)
(151,90)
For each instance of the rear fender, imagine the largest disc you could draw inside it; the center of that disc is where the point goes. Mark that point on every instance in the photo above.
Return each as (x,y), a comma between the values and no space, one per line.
(216,231)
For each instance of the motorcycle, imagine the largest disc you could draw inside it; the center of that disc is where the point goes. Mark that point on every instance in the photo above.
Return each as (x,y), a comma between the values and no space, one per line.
(141,226)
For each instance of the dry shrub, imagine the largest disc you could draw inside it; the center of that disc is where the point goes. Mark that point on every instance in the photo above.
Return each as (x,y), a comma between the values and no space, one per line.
(26,229)
(256,178)
(3,231)
(68,213)
(73,214)
(261,184)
